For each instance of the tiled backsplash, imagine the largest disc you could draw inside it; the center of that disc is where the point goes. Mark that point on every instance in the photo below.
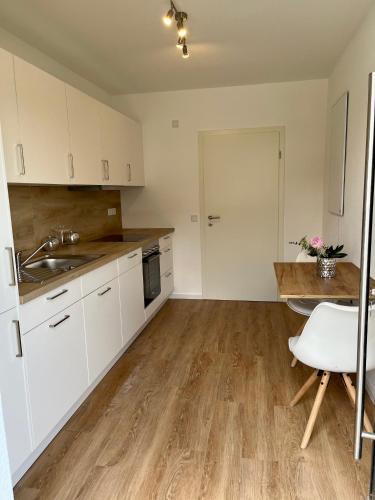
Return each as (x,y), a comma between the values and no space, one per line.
(37,209)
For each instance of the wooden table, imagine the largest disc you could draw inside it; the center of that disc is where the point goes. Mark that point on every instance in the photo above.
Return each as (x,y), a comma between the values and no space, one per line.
(299,280)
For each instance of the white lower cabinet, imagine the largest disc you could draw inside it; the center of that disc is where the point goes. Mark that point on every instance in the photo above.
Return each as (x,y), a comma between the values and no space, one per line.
(132,302)
(102,326)
(13,391)
(56,368)
(167,284)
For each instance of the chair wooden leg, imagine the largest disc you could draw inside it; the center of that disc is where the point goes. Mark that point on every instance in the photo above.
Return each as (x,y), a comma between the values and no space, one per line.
(306,386)
(299,331)
(315,409)
(350,390)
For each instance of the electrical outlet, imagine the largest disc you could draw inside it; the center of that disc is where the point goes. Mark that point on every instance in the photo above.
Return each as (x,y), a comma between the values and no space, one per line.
(175,123)
(112,211)
(194,218)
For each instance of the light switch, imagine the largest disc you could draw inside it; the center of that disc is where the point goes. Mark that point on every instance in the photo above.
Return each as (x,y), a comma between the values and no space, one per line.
(175,123)
(194,218)
(112,211)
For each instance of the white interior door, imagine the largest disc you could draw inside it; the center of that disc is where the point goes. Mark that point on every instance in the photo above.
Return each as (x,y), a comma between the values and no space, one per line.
(241,172)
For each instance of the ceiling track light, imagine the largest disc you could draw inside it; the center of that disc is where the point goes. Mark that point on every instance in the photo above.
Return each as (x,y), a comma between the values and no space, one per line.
(180,18)
(181,42)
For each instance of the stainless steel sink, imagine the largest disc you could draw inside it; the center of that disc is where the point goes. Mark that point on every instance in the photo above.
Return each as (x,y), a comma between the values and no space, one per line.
(48,266)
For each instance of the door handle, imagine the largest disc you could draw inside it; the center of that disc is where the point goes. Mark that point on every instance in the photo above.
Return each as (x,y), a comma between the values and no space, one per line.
(212,218)
(19,353)
(71,166)
(67,316)
(20,159)
(11,265)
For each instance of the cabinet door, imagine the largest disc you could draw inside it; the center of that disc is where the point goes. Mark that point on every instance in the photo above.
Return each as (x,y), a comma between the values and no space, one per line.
(114,145)
(9,114)
(56,366)
(13,392)
(132,302)
(102,327)
(135,169)
(8,285)
(6,490)
(167,285)
(85,140)
(43,127)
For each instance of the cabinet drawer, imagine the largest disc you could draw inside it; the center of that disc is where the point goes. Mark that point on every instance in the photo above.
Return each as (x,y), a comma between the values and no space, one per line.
(130,260)
(166,259)
(37,311)
(165,241)
(95,279)
(56,367)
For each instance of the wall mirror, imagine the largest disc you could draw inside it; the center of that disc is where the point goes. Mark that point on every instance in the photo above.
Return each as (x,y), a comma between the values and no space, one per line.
(337,155)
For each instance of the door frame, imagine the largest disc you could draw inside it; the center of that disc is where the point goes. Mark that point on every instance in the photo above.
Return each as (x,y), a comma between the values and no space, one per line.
(281,191)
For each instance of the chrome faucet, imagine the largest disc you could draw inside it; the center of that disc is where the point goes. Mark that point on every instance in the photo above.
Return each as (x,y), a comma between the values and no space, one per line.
(51,243)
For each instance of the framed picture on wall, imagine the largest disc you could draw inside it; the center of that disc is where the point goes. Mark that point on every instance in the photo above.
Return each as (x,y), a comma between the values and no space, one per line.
(337,155)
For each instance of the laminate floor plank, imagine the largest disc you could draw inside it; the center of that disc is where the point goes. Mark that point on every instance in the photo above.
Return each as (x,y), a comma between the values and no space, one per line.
(198,409)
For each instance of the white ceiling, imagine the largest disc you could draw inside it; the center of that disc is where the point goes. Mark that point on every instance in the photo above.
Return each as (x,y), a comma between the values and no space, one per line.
(123,46)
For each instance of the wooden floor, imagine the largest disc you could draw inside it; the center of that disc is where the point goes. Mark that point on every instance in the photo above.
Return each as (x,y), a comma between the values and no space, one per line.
(198,409)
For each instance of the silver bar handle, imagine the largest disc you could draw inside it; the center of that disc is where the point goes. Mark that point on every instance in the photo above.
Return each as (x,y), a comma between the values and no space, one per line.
(58,294)
(104,166)
(132,256)
(100,294)
(365,271)
(107,164)
(167,275)
(20,159)
(166,238)
(71,166)
(67,316)
(167,250)
(19,352)
(129,172)
(11,264)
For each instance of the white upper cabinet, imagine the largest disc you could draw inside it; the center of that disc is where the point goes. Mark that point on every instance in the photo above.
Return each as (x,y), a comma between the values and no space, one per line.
(135,168)
(55,134)
(8,282)
(85,139)
(9,114)
(114,145)
(42,153)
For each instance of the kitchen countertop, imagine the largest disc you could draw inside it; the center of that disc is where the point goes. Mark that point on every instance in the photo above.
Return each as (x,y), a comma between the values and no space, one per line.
(109,250)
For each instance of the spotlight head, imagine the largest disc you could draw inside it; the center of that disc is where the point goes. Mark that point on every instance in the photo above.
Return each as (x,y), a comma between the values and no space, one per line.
(180,43)
(185,53)
(167,19)
(181,30)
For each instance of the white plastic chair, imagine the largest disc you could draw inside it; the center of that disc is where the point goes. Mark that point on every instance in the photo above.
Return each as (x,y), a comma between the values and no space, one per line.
(328,343)
(302,306)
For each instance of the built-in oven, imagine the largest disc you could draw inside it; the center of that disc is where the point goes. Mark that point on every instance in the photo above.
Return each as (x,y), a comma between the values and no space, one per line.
(151,272)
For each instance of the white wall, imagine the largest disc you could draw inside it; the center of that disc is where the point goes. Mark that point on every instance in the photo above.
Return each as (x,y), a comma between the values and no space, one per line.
(351,74)
(171,158)
(16,46)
